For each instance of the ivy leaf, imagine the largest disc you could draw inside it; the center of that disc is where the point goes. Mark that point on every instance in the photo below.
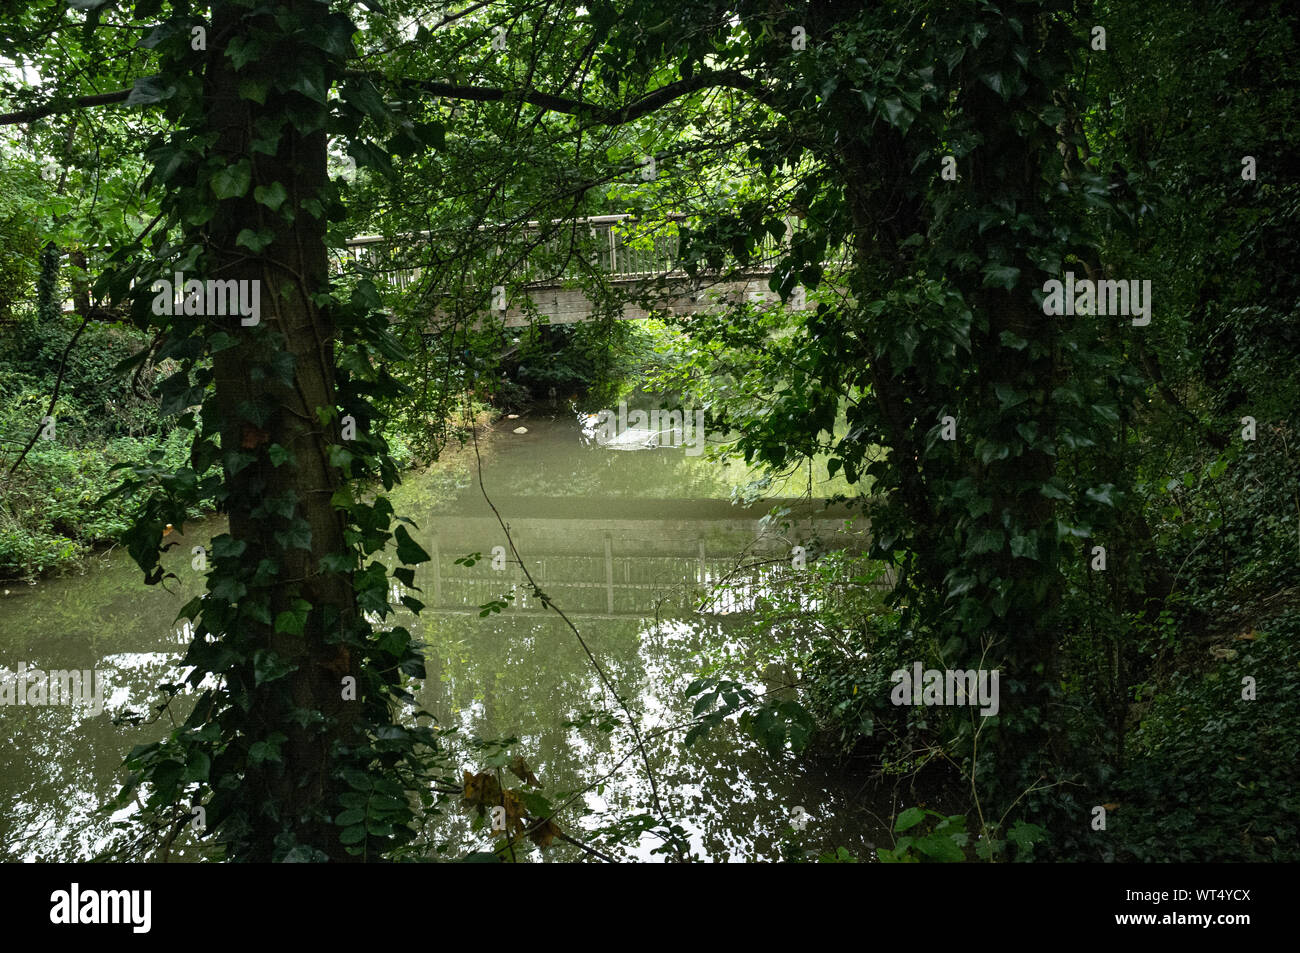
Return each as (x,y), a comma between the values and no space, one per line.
(898,115)
(226,546)
(293,621)
(197,767)
(228,588)
(986,541)
(266,750)
(272,196)
(1000,276)
(1026,547)
(269,666)
(278,454)
(254,90)
(1102,494)
(232,182)
(311,83)
(297,536)
(257,610)
(242,50)
(1008,396)
(408,550)
(1053,492)
(365,97)
(149,89)
(337,562)
(997,83)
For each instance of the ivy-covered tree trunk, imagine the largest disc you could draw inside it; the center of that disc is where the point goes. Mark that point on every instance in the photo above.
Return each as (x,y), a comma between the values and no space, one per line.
(975,505)
(291,750)
(1012,400)
(269,384)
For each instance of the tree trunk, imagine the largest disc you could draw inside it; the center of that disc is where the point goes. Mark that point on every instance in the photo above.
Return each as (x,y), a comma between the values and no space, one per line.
(258,410)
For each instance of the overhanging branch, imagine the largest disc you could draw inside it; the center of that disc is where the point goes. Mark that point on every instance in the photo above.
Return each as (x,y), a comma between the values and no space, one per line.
(604,115)
(51,109)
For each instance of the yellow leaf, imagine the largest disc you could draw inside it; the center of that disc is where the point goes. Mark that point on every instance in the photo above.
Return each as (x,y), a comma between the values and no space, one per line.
(519,768)
(481,789)
(544,832)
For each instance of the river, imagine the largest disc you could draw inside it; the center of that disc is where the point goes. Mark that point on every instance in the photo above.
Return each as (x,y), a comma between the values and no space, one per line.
(628,543)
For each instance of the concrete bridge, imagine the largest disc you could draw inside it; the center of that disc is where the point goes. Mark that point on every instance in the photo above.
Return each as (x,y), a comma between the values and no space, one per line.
(638,261)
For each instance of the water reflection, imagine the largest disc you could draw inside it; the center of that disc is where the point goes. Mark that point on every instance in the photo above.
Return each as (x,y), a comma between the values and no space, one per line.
(628,544)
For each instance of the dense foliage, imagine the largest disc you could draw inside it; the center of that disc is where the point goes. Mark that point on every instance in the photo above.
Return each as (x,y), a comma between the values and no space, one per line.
(923,170)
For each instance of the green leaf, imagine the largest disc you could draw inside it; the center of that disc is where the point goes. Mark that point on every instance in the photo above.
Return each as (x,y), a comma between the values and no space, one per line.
(1000,276)
(255,90)
(242,50)
(293,621)
(985,541)
(268,666)
(1053,492)
(909,819)
(997,82)
(941,847)
(1025,547)
(197,767)
(226,546)
(408,550)
(1008,396)
(297,536)
(898,115)
(232,182)
(311,83)
(272,196)
(227,587)
(149,89)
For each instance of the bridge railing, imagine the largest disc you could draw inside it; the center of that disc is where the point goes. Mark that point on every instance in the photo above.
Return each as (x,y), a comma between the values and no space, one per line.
(619,246)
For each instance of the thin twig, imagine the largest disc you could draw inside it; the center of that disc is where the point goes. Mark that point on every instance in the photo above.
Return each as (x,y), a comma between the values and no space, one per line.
(546,602)
(58,383)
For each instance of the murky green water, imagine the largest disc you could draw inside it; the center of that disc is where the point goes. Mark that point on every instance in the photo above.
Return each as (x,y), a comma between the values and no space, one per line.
(625,542)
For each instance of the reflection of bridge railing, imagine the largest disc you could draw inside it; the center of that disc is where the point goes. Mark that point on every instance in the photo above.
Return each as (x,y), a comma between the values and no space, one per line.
(607,567)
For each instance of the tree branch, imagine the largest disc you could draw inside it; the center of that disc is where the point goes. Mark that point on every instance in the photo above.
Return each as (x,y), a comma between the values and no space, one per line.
(729,79)
(58,383)
(50,109)
(578,107)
